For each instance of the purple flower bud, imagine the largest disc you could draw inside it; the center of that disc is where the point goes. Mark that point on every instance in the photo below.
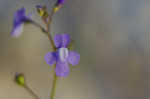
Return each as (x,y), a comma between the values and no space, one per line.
(60,2)
(19,19)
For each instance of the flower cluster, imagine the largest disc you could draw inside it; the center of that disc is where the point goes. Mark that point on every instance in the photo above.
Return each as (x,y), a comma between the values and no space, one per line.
(61,56)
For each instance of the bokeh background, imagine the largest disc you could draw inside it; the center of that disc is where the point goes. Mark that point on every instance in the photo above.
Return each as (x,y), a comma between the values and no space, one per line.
(112,37)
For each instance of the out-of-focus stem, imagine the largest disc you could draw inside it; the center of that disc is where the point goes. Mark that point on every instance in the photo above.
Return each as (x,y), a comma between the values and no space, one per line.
(30,91)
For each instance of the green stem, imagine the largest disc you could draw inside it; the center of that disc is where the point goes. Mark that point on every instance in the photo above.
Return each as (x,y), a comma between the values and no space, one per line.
(48,25)
(38,25)
(53,86)
(48,32)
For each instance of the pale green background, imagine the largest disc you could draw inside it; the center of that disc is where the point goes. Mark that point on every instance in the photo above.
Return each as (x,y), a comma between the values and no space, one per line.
(112,37)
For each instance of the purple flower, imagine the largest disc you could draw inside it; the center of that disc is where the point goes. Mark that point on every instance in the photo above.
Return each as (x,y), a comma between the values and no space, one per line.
(18,23)
(62,56)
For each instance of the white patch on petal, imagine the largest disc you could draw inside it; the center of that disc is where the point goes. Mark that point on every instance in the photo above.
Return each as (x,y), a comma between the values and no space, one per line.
(63,54)
(18,30)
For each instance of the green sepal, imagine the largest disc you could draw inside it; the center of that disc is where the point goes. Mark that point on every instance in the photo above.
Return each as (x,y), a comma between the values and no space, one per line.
(43,12)
(70,46)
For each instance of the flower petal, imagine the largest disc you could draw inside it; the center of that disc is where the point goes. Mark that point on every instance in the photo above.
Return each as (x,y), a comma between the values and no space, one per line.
(17,30)
(62,54)
(18,22)
(20,17)
(62,69)
(73,58)
(50,58)
(58,40)
(61,40)
(65,40)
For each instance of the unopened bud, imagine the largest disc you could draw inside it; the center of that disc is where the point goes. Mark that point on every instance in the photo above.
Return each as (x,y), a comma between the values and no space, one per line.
(19,78)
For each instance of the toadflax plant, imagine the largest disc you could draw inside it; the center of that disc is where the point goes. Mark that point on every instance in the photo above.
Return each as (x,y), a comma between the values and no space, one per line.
(60,57)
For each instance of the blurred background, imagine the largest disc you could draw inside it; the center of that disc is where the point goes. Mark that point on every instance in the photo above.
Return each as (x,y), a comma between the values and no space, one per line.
(112,37)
